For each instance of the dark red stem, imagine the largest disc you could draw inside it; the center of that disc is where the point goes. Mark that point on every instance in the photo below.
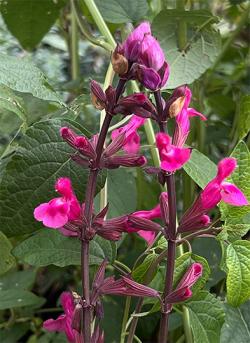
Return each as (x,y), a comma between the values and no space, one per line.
(89,201)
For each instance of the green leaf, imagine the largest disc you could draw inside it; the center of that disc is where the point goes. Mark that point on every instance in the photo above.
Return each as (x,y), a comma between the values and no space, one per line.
(118,11)
(34,17)
(140,273)
(20,74)
(244,116)
(240,177)
(19,298)
(237,324)
(238,276)
(13,103)
(210,249)
(200,168)
(18,280)
(202,47)
(6,259)
(233,232)
(181,265)
(206,317)
(14,333)
(30,175)
(49,246)
(121,192)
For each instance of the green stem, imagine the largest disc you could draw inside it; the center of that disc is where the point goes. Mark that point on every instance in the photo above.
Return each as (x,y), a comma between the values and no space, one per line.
(125,319)
(182,26)
(85,30)
(75,67)
(100,22)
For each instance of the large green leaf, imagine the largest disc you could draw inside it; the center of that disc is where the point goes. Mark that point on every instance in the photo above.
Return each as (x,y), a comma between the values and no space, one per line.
(7,260)
(34,17)
(18,280)
(20,74)
(201,49)
(118,11)
(139,274)
(200,168)
(206,317)
(238,275)
(29,177)
(237,324)
(240,177)
(19,298)
(244,116)
(48,246)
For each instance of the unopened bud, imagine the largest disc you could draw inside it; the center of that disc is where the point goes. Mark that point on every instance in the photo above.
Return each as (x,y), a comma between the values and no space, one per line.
(176,106)
(98,97)
(119,63)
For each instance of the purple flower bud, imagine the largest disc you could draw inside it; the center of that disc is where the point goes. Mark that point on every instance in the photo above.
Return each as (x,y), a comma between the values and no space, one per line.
(148,77)
(128,160)
(178,295)
(143,224)
(68,135)
(116,144)
(97,95)
(193,273)
(164,207)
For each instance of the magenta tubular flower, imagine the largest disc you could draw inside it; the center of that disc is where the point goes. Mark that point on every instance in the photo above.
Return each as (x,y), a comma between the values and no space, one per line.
(183,289)
(64,321)
(59,211)
(132,139)
(172,157)
(183,116)
(149,236)
(215,191)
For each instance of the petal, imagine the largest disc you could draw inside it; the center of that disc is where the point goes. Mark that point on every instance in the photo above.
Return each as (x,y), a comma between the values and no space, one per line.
(134,39)
(233,195)
(64,187)
(149,236)
(148,77)
(67,302)
(211,195)
(149,214)
(175,158)
(53,214)
(132,145)
(193,113)
(226,167)
(40,211)
(55,324)
(151,54)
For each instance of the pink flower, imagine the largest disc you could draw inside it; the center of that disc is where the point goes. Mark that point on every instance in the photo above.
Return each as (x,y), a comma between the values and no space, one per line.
(59,211)
(64,321)
(215,191)
(149,236)
(183,289)
(185,112)
(172,157)
(132,138)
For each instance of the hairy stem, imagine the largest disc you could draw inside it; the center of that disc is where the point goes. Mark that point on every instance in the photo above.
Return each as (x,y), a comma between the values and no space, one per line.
(170,257)
(89,201)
